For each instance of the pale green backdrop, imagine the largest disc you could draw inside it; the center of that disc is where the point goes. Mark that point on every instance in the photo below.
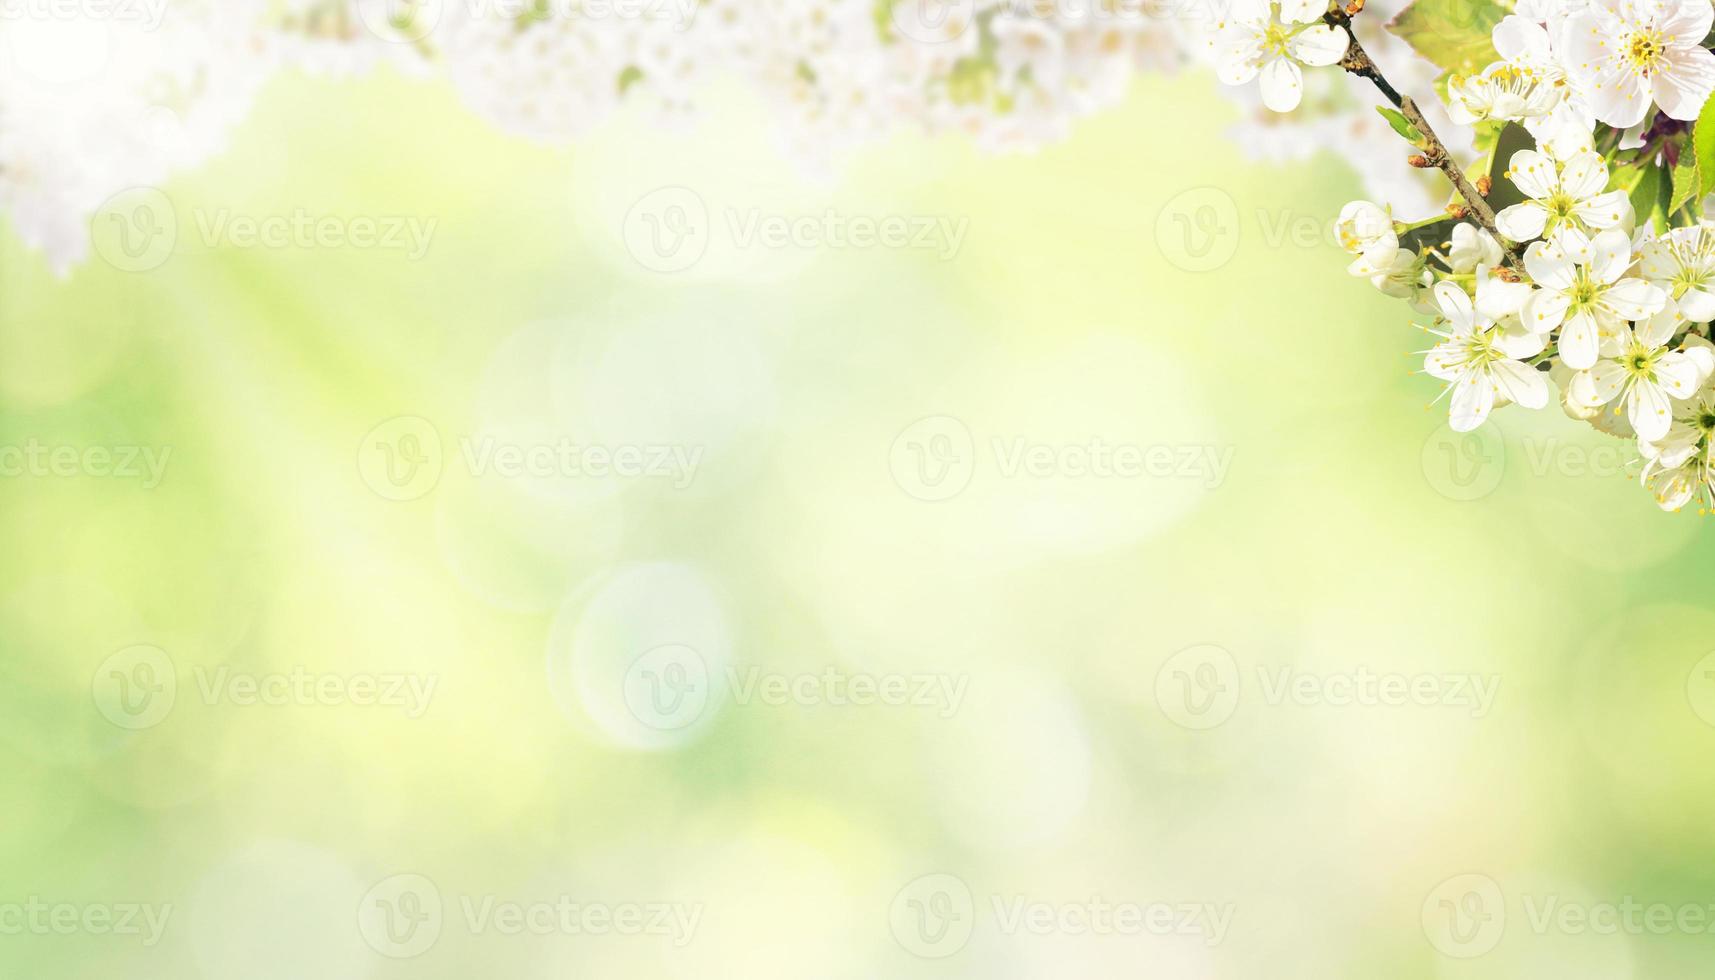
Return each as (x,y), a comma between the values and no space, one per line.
(1090,298)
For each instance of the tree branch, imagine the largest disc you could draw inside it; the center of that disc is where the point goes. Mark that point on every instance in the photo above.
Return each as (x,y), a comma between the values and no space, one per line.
(1357,61)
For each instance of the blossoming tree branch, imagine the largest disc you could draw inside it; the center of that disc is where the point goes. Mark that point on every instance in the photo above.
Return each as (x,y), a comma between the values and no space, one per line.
(1579,259)
(1561,249)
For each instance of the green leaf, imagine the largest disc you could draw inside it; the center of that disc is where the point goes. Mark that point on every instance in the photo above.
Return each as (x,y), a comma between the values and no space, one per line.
(1649,196)
(1662,216)
(1453,34)
(1687,183)
(1401,125)
(1703,148)
(1625,176)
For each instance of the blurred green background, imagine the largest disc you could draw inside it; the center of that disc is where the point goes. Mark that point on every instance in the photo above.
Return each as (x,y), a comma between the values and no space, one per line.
(1135,285)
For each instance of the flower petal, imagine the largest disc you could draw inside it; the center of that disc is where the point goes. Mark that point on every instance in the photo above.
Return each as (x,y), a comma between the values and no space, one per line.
(1519,383)
(1687,23)
(1518,343)
(1674,448)
(1444,361)
(1548,266)
(1517,39)
(1702,354)
(1571,241)
(1320,45)
(1597,386)
(1678,375)
(1697,305)
(1684,83)
(1673,488)
(1455,306)
(1659,329)
(1649,410)
(1237,52)
(1533,172)
(1522,222)
(1282,85)
(1634,299)
(1580,342)
(1584,175)
(1619,97)
(1583,45)
(1545,310)
(1603,210)
(1497,298)
(1610,255)
(1473,397)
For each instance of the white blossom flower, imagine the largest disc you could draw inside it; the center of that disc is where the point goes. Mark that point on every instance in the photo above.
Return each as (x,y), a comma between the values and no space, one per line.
(1472,249)
(1567,198)
(1270,40)
(1682,263)
(1480,362)
(1526,85)
(1505,92)
(1586,300)
(1397,272)
(1029,46)
(550,79)
(1362,226)
(157,99)
(1637,366)
(1331,120)
(1600,418)
(1675,485)
(1626,54)
(1678,465)
(1010,76)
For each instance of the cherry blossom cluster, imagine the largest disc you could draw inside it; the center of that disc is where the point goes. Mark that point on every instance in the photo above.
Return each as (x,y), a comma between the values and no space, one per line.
(1588,280)
(92,106)
(1334,115)
(1591,279)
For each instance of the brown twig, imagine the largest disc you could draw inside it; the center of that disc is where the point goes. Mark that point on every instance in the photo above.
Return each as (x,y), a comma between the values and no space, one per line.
(1357,61)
